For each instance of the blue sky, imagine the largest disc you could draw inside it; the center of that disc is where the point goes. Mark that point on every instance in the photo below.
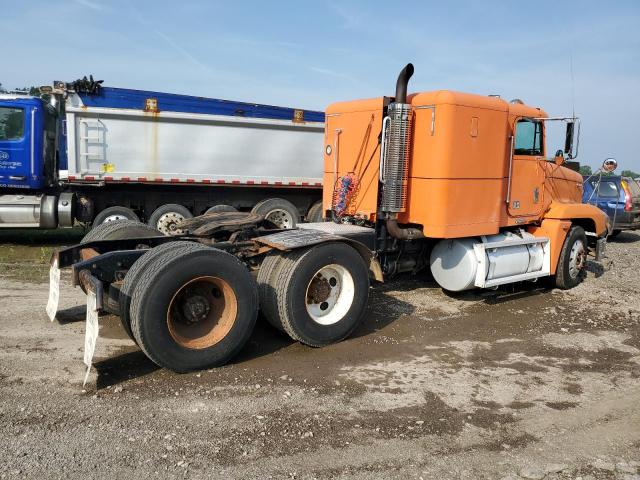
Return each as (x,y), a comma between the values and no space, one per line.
(311,53)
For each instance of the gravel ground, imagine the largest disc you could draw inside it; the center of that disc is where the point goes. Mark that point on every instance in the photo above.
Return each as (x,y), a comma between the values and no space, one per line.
(523,382)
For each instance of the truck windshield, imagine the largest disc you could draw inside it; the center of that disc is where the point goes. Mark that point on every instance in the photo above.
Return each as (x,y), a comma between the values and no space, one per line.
(11,123)
(528,138)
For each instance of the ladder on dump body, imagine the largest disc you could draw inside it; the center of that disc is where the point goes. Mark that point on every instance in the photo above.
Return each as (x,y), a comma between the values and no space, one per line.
(92,145)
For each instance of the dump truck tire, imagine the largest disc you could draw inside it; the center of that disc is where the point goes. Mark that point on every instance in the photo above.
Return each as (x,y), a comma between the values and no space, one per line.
(114,214)
(322,293)
(194,307)
(166,218)
(131,281)
(314,215)
(267,276)
(278,211)
(572,259)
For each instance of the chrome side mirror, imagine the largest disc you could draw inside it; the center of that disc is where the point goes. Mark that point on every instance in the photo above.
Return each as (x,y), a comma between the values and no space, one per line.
(609,165)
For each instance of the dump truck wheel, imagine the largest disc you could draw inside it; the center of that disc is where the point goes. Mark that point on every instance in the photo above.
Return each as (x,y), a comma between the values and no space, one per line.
(572,260)
(267,275)
(194,307)
(322,293)
(166,218)
(113,214)
(278,211)
(314,214)
(131,281)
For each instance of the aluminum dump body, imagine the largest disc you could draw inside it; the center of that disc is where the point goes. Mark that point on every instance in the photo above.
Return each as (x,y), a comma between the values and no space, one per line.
(123,135)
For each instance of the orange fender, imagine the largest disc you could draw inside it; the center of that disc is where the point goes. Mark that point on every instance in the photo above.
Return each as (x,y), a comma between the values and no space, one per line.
(593,219)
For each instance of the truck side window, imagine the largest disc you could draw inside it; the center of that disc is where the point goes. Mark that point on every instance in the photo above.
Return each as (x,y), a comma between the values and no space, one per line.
(528,138)
(11,123)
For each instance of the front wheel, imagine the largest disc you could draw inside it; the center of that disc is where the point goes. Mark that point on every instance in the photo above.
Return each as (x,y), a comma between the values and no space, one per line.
(194,307)
(321,293)
(573,259)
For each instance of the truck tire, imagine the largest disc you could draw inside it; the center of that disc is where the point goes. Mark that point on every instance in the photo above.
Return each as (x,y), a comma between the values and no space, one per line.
(322,293)
(118,230)
(194,307)
(314,214)
(278,211)
(166,218)
(267,275)
(131,281)
(112,214)
(572,259)
(221,208)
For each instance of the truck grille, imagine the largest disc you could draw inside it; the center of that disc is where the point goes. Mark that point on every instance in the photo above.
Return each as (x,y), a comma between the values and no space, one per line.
(396,158)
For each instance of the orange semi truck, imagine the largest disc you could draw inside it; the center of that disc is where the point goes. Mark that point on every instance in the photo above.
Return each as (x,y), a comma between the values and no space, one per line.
(456,183)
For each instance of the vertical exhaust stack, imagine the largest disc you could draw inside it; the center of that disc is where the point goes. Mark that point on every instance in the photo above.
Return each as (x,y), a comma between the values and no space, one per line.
(395,166)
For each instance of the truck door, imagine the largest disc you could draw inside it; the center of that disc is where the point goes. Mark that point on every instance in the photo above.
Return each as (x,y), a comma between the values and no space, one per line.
(526,179)
(20,144)
(14,142)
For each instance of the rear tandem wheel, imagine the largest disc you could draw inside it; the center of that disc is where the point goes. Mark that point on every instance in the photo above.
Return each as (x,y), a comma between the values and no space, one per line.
(193,307)
(318,295)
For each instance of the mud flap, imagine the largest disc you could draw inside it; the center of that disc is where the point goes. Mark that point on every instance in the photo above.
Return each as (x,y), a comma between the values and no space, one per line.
(91,332)
(54,290)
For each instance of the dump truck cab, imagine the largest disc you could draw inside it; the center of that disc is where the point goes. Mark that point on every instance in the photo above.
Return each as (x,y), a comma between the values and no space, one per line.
(27,143)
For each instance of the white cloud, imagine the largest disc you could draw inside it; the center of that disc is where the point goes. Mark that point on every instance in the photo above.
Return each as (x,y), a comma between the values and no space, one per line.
(92,5)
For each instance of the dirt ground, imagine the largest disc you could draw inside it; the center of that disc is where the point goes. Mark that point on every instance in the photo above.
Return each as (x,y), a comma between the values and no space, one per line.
(523,382)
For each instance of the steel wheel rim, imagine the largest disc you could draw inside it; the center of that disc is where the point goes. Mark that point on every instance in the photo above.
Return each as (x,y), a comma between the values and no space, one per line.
(280,218)
(168,223)
(114,217)
(202,312)
(577,258)
(330,294)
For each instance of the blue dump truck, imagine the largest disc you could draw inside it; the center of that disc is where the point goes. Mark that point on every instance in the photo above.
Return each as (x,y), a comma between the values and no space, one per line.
(83,153)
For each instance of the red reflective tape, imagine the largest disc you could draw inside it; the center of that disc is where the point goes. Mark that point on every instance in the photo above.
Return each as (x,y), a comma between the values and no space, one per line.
(277,183)
(305,184)
(71,177)
(159,180)
(206,180)
(318,184)
(175,180)
(108,179)
(125,179)
(190,180)
(220,181)
(142,179)
(250,182)
(292,183)
(264,182)
(235,182)
(89,177)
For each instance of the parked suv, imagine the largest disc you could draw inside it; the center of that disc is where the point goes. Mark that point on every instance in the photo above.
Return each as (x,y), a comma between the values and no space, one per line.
(618,197)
